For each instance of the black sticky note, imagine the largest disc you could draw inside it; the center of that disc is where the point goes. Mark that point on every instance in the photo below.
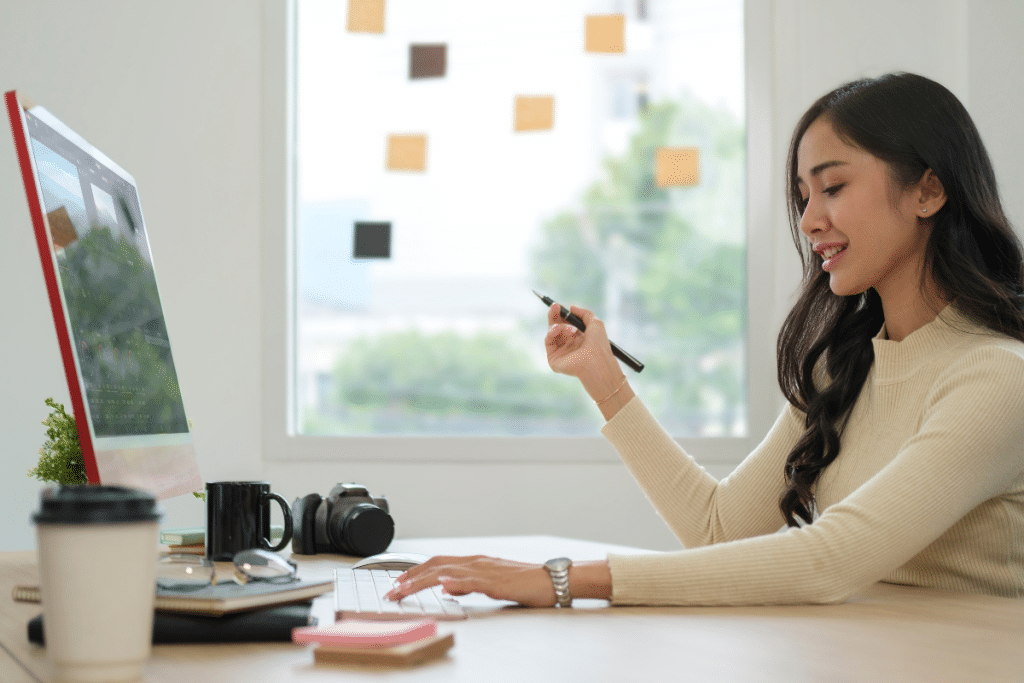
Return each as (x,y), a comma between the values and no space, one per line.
(371,240)
(428,61)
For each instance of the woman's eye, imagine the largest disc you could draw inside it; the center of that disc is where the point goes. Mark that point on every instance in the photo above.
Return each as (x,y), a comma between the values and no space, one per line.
(831,191)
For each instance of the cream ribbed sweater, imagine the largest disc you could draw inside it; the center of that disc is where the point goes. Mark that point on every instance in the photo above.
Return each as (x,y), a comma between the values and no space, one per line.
(927,490)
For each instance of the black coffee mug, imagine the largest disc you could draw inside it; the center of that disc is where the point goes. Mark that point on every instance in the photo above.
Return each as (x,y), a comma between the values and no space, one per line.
(238,518)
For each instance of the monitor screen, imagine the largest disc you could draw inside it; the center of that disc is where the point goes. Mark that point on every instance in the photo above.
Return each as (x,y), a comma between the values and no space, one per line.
(98,266)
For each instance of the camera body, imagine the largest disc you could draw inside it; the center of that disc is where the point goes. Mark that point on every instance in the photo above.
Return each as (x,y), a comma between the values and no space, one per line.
(347,521)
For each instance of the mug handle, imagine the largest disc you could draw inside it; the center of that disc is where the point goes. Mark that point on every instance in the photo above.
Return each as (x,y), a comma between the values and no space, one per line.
(286,509)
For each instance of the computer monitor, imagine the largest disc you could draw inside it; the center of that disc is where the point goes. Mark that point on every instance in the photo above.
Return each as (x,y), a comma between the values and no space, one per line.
(98,269)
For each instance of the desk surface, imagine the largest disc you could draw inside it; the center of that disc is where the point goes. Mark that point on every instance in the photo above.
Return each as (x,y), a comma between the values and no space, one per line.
(886,633)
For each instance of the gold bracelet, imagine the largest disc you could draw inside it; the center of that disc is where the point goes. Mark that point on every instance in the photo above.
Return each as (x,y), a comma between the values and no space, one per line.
(621,384)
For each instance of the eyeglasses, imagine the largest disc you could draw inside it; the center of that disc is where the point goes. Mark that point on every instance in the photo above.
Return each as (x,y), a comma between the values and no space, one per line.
(184,572)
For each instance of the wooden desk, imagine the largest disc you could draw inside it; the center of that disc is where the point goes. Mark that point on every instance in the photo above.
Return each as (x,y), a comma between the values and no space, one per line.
(888,633)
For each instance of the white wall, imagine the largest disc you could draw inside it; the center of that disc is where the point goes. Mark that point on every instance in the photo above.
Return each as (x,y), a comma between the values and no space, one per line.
(173,92)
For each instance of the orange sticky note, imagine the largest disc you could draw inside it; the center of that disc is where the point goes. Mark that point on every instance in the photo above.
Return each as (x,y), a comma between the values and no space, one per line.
(534,113)
(605,33)
(676,166)
(366,16)
(407,153)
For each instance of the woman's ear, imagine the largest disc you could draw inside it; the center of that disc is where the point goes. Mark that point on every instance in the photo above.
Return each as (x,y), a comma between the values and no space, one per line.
(931,193)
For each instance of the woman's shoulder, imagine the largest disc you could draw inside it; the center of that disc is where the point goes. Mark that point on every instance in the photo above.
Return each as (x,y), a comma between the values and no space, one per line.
(973,339)
(989,361)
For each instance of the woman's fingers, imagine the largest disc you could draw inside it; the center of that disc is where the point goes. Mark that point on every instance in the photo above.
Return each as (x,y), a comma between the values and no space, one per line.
(568,349)
(561,342)
(500,579)
(583,314)
(427,574)
(554,316)
(561,336)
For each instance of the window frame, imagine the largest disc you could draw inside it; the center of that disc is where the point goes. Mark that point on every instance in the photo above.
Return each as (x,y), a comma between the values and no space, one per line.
(281,440)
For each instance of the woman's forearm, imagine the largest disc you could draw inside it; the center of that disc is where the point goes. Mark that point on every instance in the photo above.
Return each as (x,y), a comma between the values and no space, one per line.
(609,391)
(591,579)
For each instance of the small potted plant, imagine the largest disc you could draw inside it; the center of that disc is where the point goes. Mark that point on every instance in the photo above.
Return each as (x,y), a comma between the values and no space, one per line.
(60,458)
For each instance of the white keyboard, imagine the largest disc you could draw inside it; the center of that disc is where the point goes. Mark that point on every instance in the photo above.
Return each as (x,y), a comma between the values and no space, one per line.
(359,593)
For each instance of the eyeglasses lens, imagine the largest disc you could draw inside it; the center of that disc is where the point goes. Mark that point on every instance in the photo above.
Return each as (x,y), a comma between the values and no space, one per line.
(184,572)
(263,565)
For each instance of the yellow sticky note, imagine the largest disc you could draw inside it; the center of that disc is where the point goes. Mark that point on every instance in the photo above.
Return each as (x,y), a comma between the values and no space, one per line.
(407,153)
(675,166)
(534,113)
(605,33)
(366,16)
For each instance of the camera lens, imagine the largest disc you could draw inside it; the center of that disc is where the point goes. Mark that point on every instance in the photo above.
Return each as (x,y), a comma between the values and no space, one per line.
(367,530)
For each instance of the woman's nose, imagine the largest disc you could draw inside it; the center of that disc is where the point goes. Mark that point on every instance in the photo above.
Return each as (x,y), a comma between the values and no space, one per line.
(812,220)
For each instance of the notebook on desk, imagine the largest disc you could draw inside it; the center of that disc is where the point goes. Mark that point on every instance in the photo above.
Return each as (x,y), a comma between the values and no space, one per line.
(269,624)
(226,597)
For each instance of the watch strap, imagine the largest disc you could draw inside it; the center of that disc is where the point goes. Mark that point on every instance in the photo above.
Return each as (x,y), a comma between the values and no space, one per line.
(558,569)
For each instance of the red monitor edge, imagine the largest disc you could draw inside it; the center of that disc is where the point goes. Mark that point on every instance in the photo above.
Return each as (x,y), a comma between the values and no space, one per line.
(32,193)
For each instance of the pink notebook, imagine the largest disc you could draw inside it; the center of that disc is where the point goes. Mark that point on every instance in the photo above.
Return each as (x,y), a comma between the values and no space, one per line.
(356,633)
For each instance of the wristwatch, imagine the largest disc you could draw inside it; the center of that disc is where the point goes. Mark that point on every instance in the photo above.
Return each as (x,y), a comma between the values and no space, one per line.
(558,568)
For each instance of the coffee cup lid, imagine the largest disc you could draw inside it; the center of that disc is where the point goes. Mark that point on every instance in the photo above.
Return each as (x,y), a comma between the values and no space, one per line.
(95,504)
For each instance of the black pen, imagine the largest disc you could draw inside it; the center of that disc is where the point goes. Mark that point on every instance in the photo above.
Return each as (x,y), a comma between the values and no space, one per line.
(575,321)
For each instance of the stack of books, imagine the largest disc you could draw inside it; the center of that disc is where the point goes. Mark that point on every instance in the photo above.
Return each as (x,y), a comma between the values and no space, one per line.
(192,539)
(221,613)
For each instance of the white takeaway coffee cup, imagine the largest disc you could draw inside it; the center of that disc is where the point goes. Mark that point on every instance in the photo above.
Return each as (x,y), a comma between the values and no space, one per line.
(97,549)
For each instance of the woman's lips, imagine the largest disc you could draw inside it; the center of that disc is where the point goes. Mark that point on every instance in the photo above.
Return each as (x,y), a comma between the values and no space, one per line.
(830,261)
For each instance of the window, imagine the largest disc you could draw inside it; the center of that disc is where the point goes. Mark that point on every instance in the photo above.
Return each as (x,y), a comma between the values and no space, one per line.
(573,211)
(444,337)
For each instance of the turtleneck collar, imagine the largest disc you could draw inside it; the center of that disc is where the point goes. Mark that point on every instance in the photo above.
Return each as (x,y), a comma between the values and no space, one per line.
(897,360)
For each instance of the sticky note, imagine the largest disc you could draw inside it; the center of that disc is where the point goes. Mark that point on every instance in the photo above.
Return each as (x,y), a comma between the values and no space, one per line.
(427,61)
(407,153)
(366,16)
(534,113)
(676,166)
(62,230)
(371,240)
(605,33)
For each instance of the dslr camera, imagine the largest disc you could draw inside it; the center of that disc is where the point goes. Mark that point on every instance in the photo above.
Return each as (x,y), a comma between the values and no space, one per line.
(346,521)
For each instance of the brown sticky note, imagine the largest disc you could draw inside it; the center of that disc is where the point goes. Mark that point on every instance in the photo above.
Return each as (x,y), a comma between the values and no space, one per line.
(366,16)
(427,61)
(407,153)
(605,33)
(61,228)
(534,113)
(675,166)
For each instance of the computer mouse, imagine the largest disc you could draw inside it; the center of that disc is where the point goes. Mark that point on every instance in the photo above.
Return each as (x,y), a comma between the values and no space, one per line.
(400,561)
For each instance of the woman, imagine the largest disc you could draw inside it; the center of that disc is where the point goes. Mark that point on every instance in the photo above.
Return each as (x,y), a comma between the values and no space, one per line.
(900,456)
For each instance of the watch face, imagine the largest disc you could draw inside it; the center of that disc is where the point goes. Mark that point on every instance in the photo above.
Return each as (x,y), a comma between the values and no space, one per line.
(559,564)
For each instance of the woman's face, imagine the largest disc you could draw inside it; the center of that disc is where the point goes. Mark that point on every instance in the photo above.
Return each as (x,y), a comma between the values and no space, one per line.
(862,240)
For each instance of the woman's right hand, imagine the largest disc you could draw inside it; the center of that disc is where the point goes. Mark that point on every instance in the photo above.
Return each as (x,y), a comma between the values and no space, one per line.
(588,357)
(572,352)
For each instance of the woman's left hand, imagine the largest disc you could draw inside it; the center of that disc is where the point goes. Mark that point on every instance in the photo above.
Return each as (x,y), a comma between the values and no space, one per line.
(527,584)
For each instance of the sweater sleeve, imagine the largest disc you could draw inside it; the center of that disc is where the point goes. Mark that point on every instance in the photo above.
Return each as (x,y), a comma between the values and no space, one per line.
(698,509)
(966,451)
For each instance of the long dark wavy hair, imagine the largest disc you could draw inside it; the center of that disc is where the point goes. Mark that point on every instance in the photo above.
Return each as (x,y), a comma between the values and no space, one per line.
(824,349)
